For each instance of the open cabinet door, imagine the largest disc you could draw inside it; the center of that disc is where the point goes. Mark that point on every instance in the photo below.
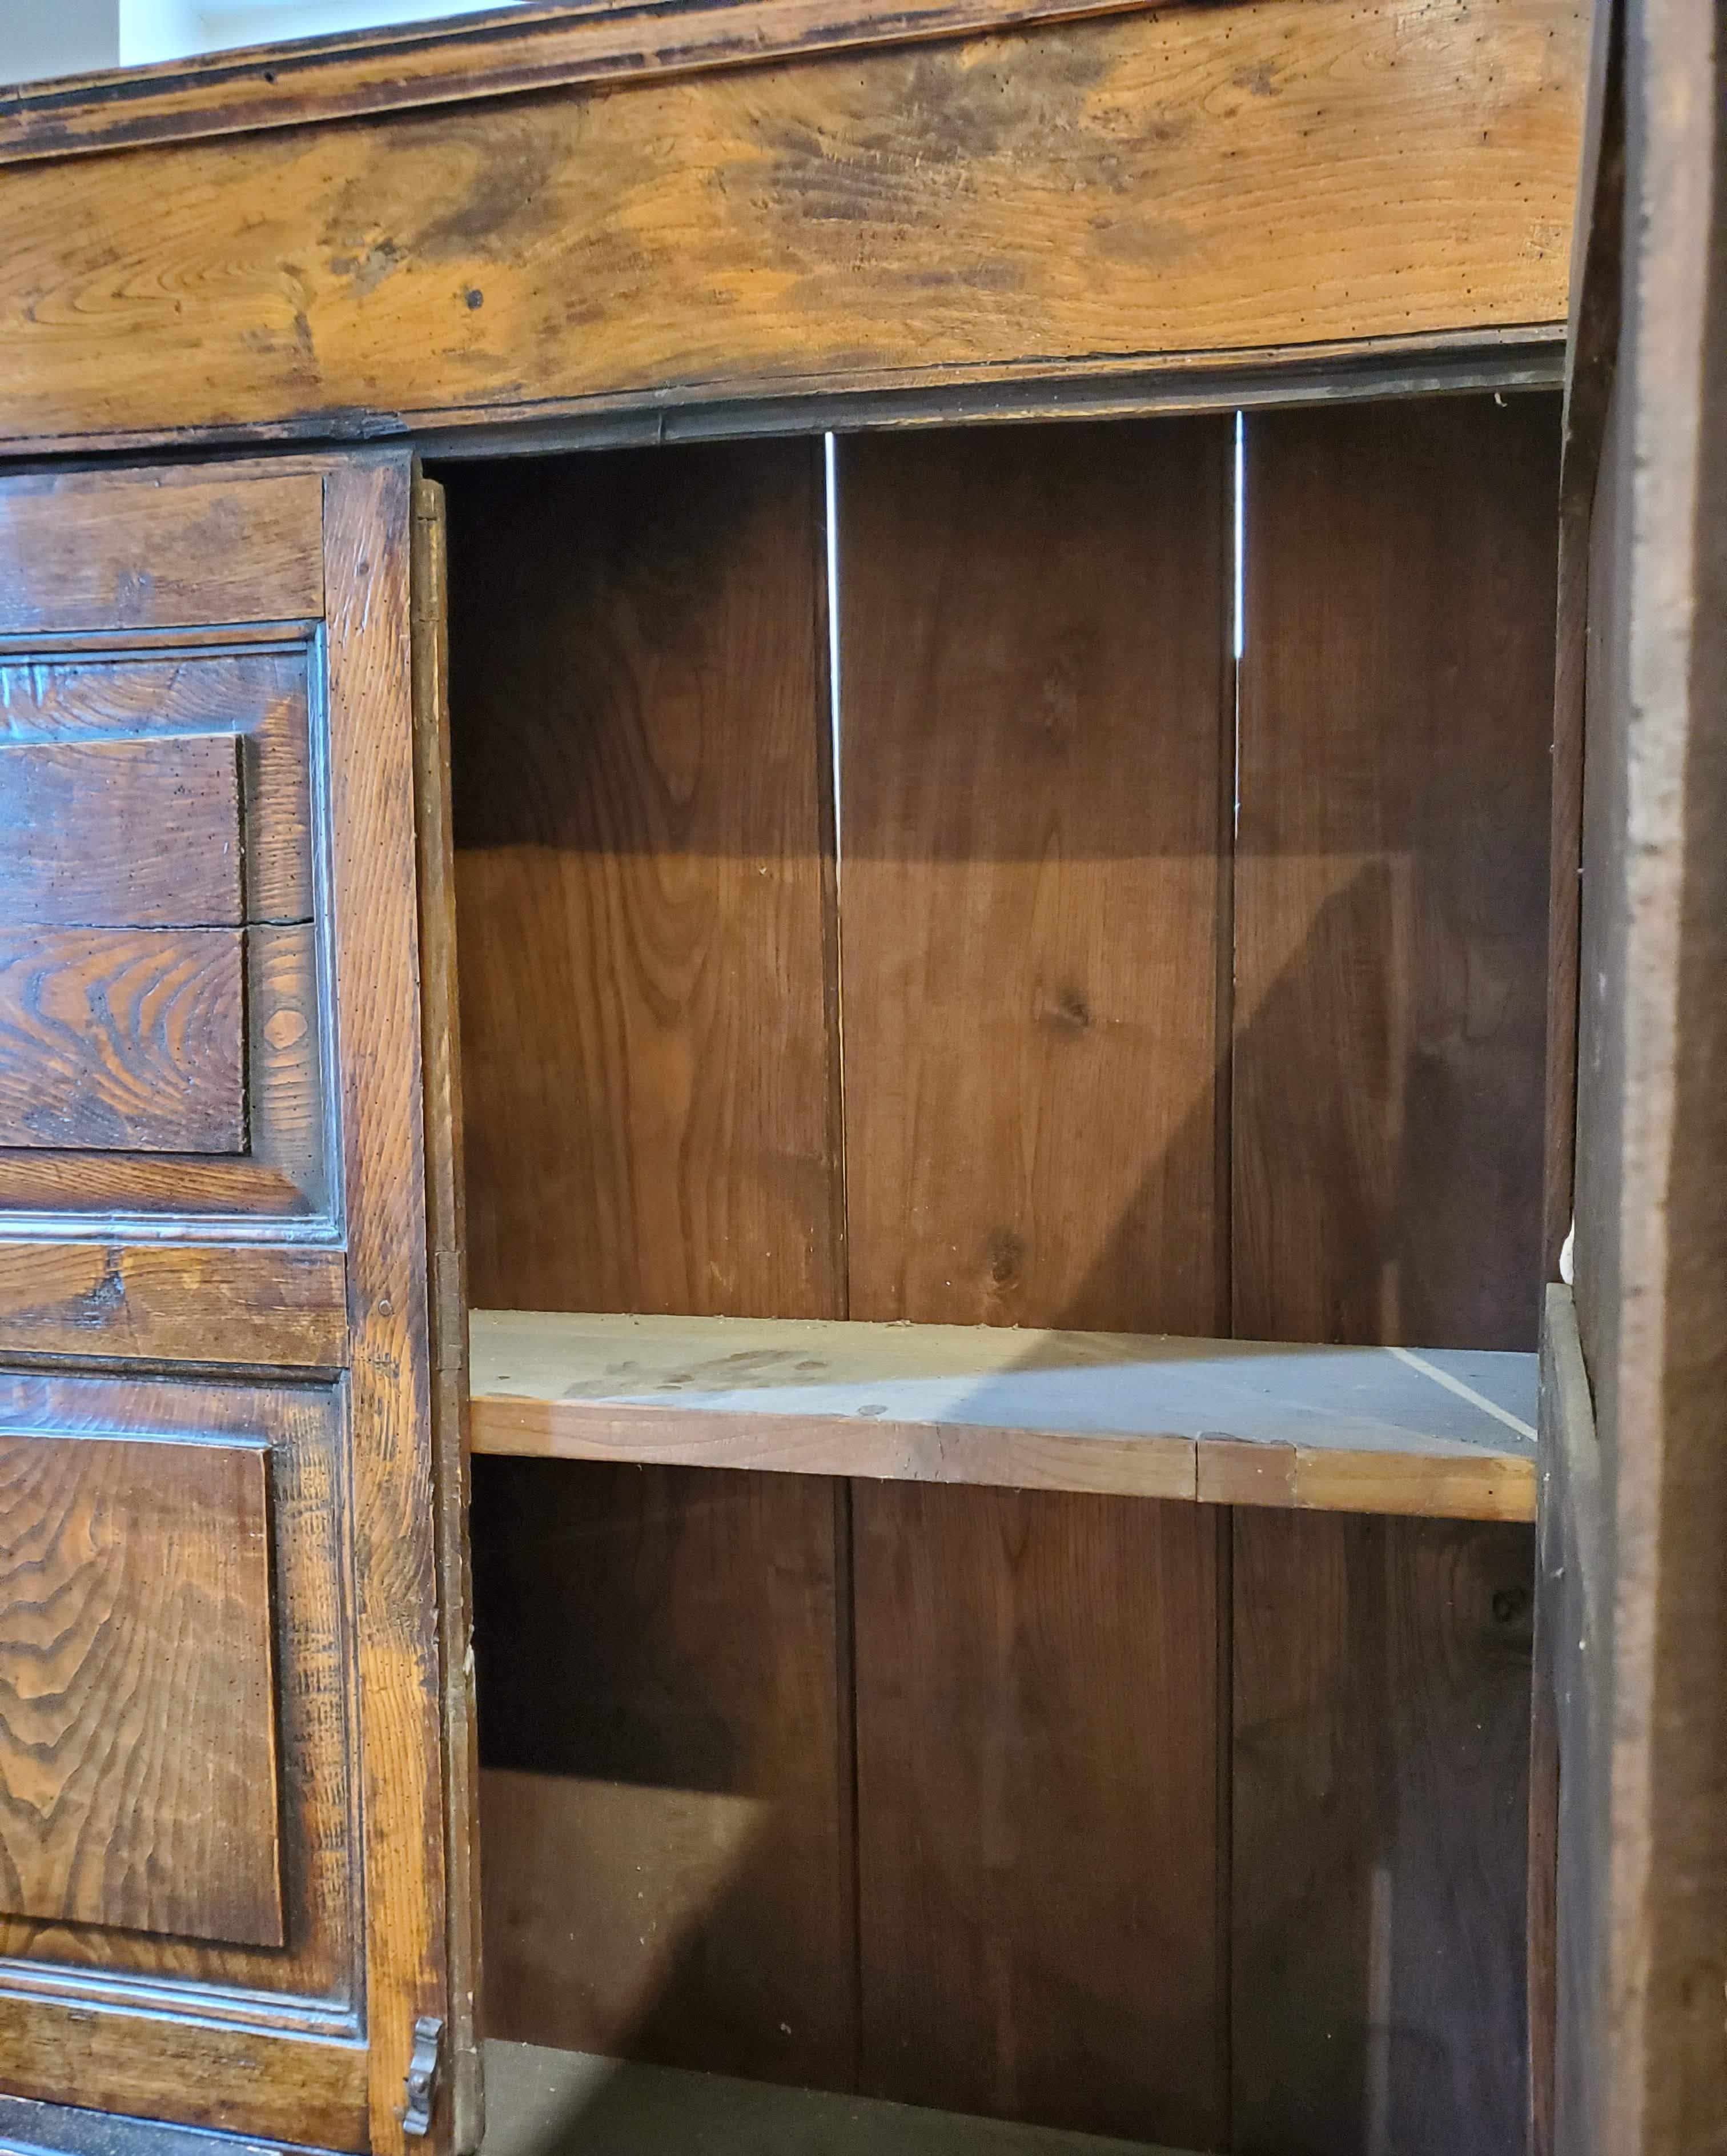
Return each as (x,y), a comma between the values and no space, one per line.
(226,1831)
(1629,1886)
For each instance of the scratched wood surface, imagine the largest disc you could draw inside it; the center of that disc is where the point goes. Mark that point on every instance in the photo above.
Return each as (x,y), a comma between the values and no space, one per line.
(1136,187)
(144,1640)
(122,834)
(173,1302)
(96,550)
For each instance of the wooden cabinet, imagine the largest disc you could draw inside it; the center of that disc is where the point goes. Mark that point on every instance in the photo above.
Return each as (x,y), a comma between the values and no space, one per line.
(221,1847)
(776,1166)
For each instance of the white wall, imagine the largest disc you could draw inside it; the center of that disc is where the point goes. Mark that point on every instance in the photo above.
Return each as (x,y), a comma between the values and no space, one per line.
(40,38)
(171,29)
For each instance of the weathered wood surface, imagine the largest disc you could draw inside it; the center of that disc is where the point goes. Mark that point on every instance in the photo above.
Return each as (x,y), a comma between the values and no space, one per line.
(1397,709)
(122,1040)
(164,549)
(1035,706)
(1642,2042)
(121,834)
(1038,1813)
(1136,189)
(69,2028)
(138,1736)
(1449,1432)
(174,1301)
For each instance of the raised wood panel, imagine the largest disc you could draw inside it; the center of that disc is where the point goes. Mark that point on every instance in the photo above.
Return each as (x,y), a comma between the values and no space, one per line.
(1040,1867)
(137,1693)
(1397,707)
(665,1830)
(639,705)
(1114,190)
(121,834)
(310,1985)
(258,696)
(1034,715)
(1381,1706)
(173,1302)
(158,550)
(122,1040)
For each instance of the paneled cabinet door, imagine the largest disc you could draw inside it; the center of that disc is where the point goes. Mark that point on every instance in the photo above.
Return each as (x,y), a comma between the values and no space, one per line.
(224,1831)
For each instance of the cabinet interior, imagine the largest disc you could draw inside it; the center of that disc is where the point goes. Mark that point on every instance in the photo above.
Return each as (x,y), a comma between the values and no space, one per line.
(1089,878)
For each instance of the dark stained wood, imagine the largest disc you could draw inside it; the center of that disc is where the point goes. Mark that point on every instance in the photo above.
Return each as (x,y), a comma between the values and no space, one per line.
(1037,1763)
(174,1301)
(1391,854)
(396,1631)
(1642,1900)
(1034,725)
(69,2024)
(260,697)
(121,834)
(138,1739)
(665,1831)
(1120,191)
(157,549)
(1381,1786)
(122,1040)
(1352,1429)
(640,728)
(446,1218)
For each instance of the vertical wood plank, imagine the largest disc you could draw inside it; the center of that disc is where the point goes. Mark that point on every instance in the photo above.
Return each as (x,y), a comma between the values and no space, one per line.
(367,545)
(1034,715)
(639,685)
(1380,1791)
(1037,1762)
(1396,704)
(1396,699)
(644,885)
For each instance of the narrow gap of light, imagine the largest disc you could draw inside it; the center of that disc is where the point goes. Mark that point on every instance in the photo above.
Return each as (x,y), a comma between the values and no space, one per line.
(832,523)
(1240,594)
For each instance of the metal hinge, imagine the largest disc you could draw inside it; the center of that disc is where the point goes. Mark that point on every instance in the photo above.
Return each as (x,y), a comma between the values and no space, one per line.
(422,2076)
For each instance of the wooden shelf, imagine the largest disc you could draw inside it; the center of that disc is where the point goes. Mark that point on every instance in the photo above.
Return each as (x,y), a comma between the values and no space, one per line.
(542,2103)
(1444,1435)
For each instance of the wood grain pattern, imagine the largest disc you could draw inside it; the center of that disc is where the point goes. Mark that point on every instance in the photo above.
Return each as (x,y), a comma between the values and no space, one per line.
(104,1982)
(1380,1793)
(1115,190)
(259,697)
(337,76)
(122,1040)
(121,834)
(1390,905)
(137,1693)
(1033,743)
(639,701)
(371,782)
(174,1302)
(1358,1429)
(1037,1814)
(664,1835)
(158,549)
(446,1227)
